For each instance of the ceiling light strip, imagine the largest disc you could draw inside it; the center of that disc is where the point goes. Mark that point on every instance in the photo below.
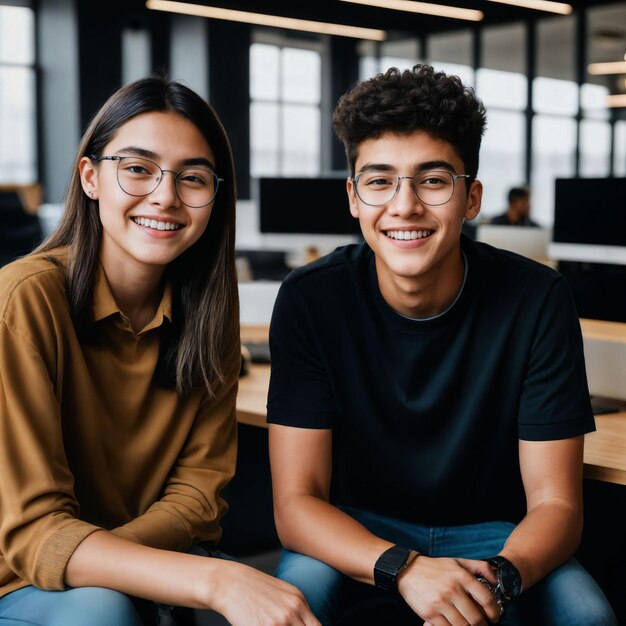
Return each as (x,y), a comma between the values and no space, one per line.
(540,5)
(617,101)
(425,8)
(613,67)
(261,19)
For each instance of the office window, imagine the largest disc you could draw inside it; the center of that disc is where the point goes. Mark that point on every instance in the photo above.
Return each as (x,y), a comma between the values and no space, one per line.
(593,101)
(501,158)
(136,54)
(553,95)
(402,53)
(368,58)
(464,72)
(595,148)
(375,58)
(604,42)
(17,95)
(368,66)
(504,48)
(556,47)
(502,85)
(502,89)
(619,163)
(555,105)
(595,132)
(189,40)
(285,92)
(501,81)
(554,149)
(452,53)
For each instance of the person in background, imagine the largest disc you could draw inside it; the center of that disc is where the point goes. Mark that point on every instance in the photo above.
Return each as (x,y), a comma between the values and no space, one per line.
(428,398)
(119,358)
(518,211)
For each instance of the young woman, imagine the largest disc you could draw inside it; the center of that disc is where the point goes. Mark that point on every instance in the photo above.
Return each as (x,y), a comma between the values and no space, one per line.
(119,356)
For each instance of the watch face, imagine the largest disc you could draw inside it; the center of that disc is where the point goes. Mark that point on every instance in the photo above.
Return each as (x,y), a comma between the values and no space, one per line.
(509,579)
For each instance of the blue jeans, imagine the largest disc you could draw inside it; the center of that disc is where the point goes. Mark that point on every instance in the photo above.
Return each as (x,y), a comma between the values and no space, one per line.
(86,606)
(95,606)
(568,596)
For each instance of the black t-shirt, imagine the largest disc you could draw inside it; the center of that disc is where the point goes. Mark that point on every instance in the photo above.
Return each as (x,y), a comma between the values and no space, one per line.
(426,414)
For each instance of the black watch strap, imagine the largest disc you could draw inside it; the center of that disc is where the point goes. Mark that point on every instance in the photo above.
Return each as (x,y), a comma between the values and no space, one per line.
(509,584)
(389,564)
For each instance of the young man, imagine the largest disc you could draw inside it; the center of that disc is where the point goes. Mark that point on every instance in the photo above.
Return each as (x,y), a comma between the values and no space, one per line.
(518,211)
(428,398)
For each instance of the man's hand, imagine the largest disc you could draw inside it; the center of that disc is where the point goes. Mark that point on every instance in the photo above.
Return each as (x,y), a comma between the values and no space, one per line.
(446,592)
(246,596)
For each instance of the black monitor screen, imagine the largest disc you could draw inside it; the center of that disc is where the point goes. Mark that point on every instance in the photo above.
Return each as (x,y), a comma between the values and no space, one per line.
(590,211)
(316,206)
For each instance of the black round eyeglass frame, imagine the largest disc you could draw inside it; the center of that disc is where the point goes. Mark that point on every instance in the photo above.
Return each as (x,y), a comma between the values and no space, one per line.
(355,180)
(119,159)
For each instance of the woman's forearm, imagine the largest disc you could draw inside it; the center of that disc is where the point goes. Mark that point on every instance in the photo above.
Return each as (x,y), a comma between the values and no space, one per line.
(242,594)
(106,560)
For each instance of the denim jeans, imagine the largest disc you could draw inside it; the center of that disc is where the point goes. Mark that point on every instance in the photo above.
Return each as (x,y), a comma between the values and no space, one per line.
(87,606)
(568,596)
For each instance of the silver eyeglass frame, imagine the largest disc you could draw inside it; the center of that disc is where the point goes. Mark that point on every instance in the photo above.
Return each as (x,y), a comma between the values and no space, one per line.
(119,159)
(355,181)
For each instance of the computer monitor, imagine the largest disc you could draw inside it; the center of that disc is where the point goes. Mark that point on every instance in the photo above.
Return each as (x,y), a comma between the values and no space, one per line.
(589,242)
(590,220)
(316,206)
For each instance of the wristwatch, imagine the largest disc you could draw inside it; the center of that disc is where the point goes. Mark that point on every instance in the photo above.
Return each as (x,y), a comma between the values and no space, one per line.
(509,584)
(389,564)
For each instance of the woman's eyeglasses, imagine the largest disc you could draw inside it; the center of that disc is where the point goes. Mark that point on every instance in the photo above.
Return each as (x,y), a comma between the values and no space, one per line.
(196,186)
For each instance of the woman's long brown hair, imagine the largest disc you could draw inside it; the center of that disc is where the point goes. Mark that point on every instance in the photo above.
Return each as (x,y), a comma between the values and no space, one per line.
(203,336)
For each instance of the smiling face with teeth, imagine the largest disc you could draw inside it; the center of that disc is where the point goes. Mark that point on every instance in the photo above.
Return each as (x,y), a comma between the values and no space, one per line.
(148,232)
(417,246)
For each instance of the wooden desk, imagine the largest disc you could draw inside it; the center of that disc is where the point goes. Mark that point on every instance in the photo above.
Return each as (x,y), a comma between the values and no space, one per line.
(614,332)
(605,449)
(255,332)
(252,396)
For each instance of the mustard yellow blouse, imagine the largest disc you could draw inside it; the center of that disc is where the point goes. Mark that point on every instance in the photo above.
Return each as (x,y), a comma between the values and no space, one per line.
(89,441)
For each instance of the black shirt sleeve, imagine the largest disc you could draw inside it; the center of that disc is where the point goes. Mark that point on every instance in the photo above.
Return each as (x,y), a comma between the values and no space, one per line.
(300,393)
(555,400)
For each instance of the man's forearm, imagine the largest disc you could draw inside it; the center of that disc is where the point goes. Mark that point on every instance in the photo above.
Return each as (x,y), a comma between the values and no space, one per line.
(545,538)
(316,528)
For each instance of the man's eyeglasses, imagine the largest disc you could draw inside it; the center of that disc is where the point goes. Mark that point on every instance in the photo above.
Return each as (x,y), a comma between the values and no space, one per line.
(196,186)
(432,187)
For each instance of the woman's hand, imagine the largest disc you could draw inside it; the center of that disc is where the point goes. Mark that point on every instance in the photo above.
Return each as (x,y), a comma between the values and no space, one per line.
(247,597)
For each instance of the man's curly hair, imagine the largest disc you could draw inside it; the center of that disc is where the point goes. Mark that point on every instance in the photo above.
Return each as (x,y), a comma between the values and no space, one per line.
(403,102)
